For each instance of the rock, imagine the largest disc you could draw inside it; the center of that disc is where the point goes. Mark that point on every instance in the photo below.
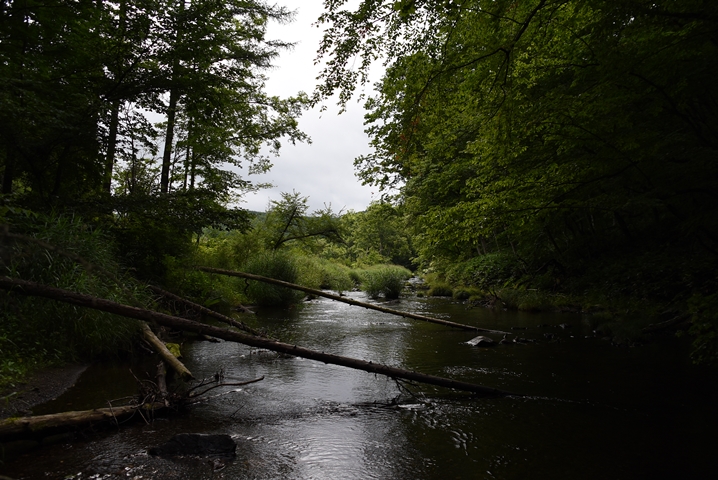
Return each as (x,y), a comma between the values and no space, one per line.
(481,341)
(196,444)
(505,341)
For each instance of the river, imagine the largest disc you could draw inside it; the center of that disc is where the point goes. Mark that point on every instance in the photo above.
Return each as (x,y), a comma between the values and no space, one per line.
(591,410)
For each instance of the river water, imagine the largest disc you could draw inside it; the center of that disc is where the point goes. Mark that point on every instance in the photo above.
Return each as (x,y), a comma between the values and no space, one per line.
(591,410)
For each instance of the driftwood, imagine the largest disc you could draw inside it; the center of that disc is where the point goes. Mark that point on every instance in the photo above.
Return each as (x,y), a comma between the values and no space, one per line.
(35,289)
(12,428)
(338,298)
(157,401)
(162,350)
(207,311)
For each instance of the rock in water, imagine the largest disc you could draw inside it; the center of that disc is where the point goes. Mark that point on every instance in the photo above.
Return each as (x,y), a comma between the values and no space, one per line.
(196,444)
(481,341)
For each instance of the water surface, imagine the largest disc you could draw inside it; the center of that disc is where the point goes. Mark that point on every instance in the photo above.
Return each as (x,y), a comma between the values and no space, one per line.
(591,410)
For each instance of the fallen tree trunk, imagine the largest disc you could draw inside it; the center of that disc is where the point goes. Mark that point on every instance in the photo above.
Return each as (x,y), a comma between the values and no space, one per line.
(207,311)
(12,428)
(349,301)
(166,355)
(35,289)
(42,425)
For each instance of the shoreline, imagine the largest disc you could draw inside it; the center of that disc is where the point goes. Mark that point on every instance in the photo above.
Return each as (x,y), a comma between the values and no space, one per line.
(41,387)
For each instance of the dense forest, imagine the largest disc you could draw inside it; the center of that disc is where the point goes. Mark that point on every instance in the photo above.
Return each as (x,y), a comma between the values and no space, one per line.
(534,155)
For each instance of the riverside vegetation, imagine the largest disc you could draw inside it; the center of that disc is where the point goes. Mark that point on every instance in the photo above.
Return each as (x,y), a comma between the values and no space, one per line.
(534,155)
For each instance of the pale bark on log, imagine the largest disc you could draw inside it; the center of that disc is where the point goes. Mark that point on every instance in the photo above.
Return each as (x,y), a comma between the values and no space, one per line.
(166,355)
(21,427)
(35,289)
(207,311)
(338,298)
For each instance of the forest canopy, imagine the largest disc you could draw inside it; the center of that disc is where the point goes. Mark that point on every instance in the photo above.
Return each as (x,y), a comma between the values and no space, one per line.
(84,85)
(566,138)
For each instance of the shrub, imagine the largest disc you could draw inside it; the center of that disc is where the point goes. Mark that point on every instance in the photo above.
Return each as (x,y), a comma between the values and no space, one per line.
(440,290)
(485,271)
(386,280)
(277,265)
(64,252)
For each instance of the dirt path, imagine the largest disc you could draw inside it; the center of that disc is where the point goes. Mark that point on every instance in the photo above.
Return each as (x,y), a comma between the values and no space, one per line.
(42,387)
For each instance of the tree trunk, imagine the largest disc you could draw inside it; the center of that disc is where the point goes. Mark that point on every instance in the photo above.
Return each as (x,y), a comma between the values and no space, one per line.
(166,355)
(169,140)
(35,289)
(22,427)
(111,146)
(338,298)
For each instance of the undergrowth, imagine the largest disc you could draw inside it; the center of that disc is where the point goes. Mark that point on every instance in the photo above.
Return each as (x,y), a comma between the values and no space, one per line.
(61,251)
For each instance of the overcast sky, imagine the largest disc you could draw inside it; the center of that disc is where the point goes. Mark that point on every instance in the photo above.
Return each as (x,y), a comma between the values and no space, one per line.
(324,169)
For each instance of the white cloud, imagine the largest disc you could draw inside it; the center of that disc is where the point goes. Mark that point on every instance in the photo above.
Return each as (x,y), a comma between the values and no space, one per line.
(323,170)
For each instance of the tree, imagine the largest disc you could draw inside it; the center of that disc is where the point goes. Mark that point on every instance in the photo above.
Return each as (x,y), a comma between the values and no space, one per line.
(563,132)
(378,235)
(287,223)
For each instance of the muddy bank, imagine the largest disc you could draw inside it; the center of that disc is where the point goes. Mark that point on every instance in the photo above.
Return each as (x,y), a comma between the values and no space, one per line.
(41,387)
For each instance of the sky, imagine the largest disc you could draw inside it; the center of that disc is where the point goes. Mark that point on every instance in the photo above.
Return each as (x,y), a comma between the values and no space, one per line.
(324,169)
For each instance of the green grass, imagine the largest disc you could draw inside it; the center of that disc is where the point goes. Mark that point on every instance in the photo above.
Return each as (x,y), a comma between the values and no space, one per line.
(384,280)
(34,332)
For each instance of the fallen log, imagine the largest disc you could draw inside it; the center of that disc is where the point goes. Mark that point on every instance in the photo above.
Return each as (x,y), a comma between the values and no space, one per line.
(163,352)
(11,428)
(31,288)
(338,298)
(207,311)
(160,399)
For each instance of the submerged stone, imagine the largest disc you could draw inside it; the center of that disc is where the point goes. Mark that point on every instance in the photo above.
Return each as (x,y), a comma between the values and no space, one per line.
(481,341)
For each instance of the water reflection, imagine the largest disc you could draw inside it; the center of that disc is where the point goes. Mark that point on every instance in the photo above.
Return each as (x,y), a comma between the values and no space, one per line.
(592,410)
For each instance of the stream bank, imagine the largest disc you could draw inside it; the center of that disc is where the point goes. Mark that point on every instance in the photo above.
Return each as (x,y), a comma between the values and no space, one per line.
(42,386)
(592,410)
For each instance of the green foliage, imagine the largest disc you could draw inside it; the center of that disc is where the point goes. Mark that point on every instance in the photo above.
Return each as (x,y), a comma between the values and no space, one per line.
(384,280)
(440,289)
(152,227)
(319,273)
(277,265)
(484,271)
(65,252)
(567,146)
(378,235)
(287,224)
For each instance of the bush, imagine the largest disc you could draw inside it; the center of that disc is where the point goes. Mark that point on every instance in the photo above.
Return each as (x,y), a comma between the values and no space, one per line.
(386,280)
(317,273)
(485,271)
(71,255)
(440,290)
(279,266)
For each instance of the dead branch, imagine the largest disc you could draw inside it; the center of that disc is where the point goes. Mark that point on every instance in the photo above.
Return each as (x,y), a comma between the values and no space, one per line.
(321,293)
(207,311)
(35,289)
(162,350)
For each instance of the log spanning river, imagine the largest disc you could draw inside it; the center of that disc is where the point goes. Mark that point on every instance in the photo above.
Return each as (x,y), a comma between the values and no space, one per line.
(591,410)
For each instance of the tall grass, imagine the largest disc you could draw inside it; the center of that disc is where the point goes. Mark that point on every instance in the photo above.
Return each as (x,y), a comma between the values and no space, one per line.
(64,252)
(277,265)
(318,273)
(384,280)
